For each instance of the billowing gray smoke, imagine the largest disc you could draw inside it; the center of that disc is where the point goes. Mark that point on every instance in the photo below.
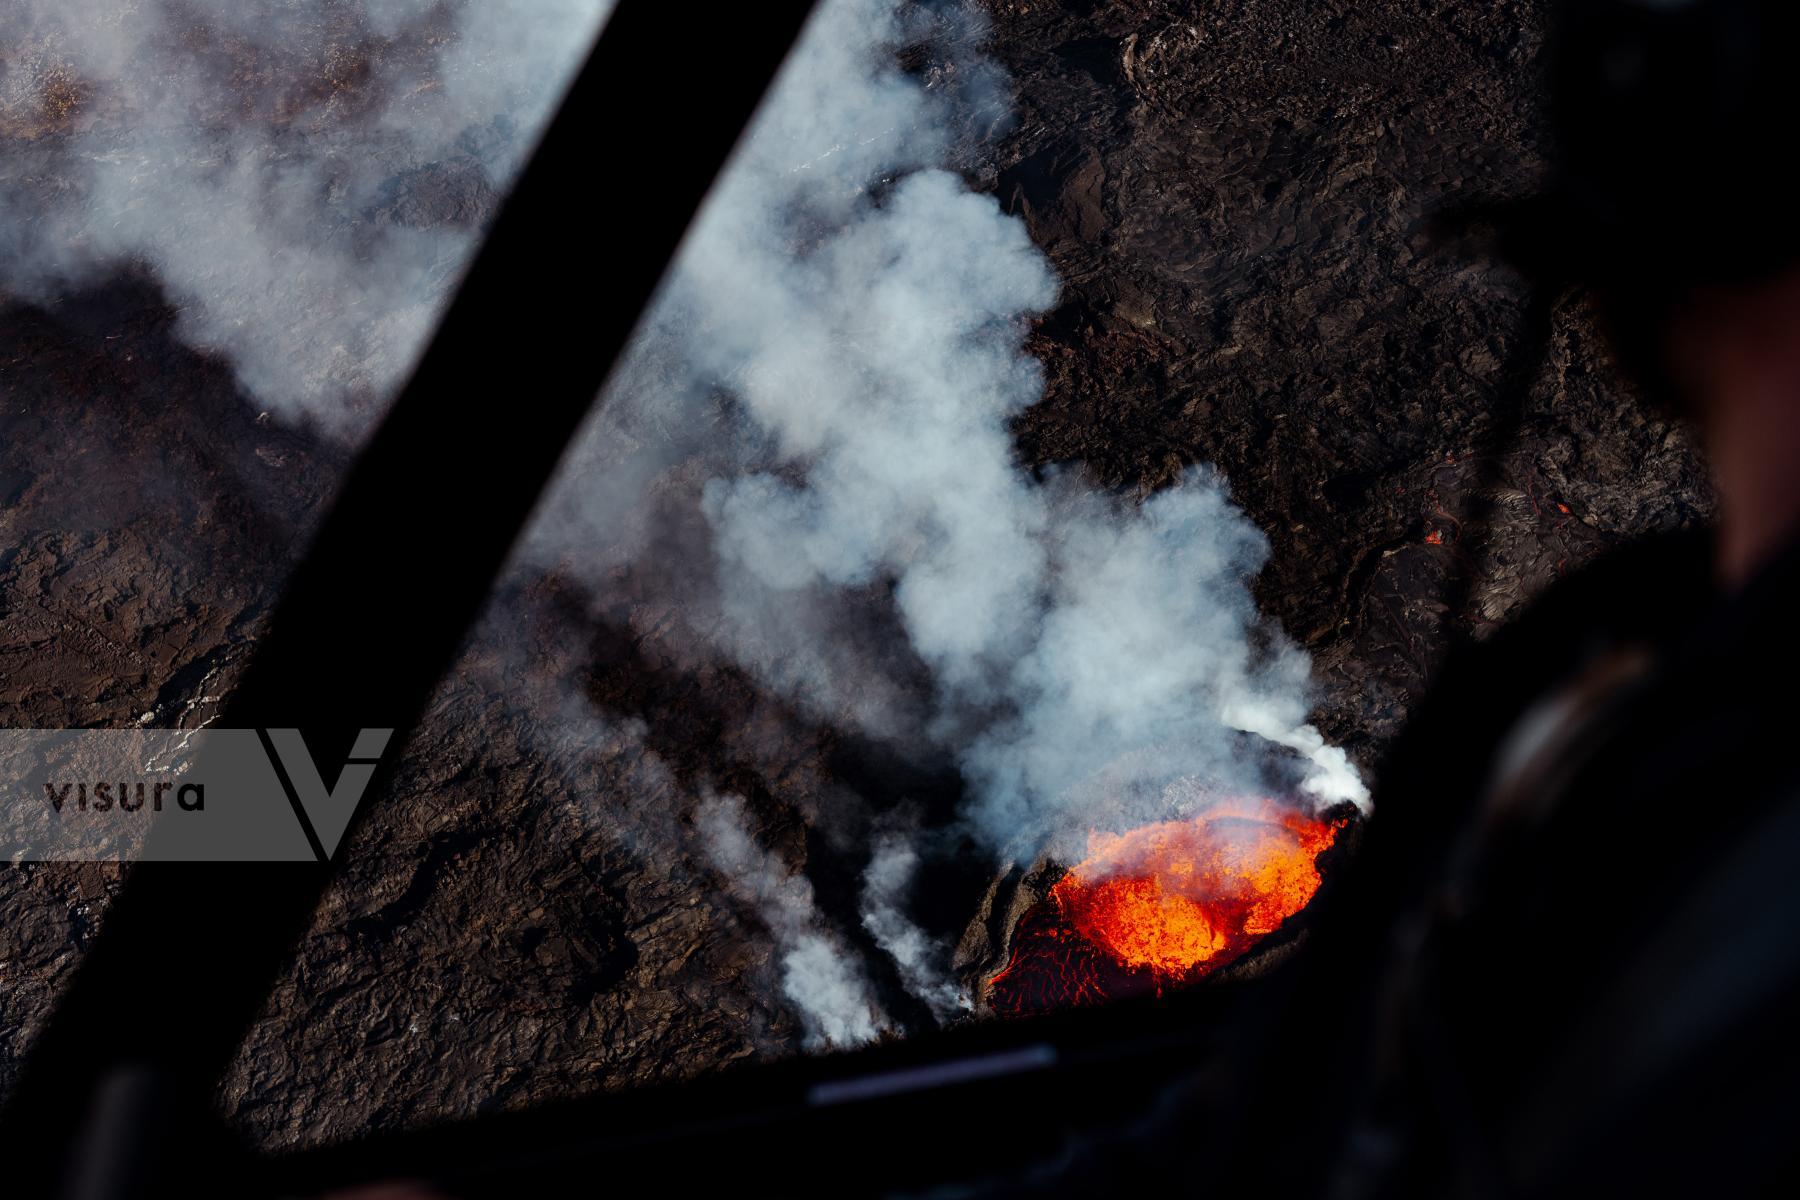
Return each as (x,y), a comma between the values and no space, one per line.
(840,349)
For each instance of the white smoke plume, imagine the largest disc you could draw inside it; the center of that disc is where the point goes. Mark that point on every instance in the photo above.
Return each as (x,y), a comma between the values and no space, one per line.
(920,961)
(1090,661)
(306,179)
(818,975)
(1143,664)
(865,312)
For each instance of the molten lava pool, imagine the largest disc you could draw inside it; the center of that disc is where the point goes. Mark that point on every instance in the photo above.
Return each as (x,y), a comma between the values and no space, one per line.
(1163,905)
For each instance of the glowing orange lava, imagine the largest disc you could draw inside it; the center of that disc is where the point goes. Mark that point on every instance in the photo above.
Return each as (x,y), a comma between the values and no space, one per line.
(1164,904)
(1178,894)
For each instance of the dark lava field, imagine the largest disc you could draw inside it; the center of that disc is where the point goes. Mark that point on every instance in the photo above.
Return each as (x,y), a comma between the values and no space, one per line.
(1235,194)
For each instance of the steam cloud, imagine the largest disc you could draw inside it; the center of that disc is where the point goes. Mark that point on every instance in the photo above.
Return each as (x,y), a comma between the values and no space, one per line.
(920,961)
(1090,661)
(305,179)
(840,346)
(866,314)
(817,974)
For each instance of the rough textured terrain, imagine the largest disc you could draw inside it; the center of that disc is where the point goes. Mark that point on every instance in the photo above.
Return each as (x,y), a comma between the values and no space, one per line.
(1233,193)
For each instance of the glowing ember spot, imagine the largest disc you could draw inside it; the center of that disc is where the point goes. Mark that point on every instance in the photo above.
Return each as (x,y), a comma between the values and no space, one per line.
(1163,905)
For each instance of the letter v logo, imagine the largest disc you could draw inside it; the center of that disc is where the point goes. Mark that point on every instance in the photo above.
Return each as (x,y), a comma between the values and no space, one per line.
(329,810)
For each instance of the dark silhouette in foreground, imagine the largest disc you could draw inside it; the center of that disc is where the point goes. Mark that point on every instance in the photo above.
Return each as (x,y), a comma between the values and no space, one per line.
(1568,956)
